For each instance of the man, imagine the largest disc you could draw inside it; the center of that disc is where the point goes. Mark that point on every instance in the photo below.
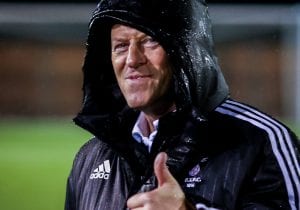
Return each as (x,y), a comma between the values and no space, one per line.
(167,136)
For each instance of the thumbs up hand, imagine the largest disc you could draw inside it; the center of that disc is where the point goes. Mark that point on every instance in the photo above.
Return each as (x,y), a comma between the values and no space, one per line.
(167,196)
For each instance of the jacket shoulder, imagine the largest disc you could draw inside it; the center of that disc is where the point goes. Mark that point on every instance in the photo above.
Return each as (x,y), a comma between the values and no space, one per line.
(244,114)
(88,146)
(92,147)
(275,148)
(280,141)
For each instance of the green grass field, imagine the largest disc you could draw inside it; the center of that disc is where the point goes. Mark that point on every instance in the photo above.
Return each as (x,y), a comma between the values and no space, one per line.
(35,160)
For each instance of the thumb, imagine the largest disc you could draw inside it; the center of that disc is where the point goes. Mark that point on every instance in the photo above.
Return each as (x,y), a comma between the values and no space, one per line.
(161,170)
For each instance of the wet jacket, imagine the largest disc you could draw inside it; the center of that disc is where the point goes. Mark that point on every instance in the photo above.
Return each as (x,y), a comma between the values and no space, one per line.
(224,154)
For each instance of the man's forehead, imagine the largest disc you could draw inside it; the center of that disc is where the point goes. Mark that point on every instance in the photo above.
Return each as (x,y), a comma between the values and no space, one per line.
(120,26)
(119,30)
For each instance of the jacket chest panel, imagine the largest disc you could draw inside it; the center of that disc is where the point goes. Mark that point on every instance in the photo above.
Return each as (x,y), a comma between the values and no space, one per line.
(107,177)
(217,180)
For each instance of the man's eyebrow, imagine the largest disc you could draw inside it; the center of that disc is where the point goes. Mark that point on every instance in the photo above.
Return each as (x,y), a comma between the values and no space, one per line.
(124,38)
(118,39)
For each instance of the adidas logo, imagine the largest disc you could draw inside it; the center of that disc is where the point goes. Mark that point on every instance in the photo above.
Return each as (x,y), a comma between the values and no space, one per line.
(102,172)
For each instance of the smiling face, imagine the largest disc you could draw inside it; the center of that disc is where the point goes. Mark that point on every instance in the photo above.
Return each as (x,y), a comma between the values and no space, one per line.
(141,67)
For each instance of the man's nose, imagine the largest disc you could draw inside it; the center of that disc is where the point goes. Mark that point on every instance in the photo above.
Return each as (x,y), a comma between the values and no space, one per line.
(136,56)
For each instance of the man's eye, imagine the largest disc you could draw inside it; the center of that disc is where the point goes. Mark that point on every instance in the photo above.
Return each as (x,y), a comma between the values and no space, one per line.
(150,42)
(119,48)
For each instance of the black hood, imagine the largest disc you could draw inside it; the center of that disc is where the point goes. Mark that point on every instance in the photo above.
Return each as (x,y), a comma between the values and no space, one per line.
(182,27)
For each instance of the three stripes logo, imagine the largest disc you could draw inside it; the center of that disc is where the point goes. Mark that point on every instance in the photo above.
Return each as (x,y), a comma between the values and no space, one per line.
(102,172)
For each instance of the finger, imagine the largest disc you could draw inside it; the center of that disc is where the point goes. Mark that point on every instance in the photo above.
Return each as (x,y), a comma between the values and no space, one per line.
(136,201)
(161,170)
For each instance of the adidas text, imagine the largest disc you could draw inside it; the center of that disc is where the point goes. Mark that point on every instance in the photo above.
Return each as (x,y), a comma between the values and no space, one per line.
(102,171)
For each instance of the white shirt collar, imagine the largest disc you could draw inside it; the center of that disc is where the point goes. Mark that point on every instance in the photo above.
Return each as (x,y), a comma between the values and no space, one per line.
(139,127)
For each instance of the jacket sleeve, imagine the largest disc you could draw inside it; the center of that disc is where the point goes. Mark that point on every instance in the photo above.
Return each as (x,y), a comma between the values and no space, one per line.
(73,182)
(70,195)
(271,183)
(274,183)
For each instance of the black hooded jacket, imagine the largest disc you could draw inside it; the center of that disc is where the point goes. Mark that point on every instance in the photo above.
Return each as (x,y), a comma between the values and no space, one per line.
(224,154)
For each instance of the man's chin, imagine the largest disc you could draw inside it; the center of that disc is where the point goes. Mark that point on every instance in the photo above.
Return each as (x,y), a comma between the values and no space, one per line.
(135,105)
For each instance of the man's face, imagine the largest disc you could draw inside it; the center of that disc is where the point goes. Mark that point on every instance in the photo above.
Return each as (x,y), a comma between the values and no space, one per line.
(141,67)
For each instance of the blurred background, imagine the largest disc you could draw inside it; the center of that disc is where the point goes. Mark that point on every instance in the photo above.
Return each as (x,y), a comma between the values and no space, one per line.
(42,46)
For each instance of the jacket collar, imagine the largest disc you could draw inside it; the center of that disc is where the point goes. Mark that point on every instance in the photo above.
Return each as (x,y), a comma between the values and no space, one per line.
(182,135)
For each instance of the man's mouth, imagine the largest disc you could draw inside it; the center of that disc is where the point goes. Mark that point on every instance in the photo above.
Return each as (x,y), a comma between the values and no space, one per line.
(137,77)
